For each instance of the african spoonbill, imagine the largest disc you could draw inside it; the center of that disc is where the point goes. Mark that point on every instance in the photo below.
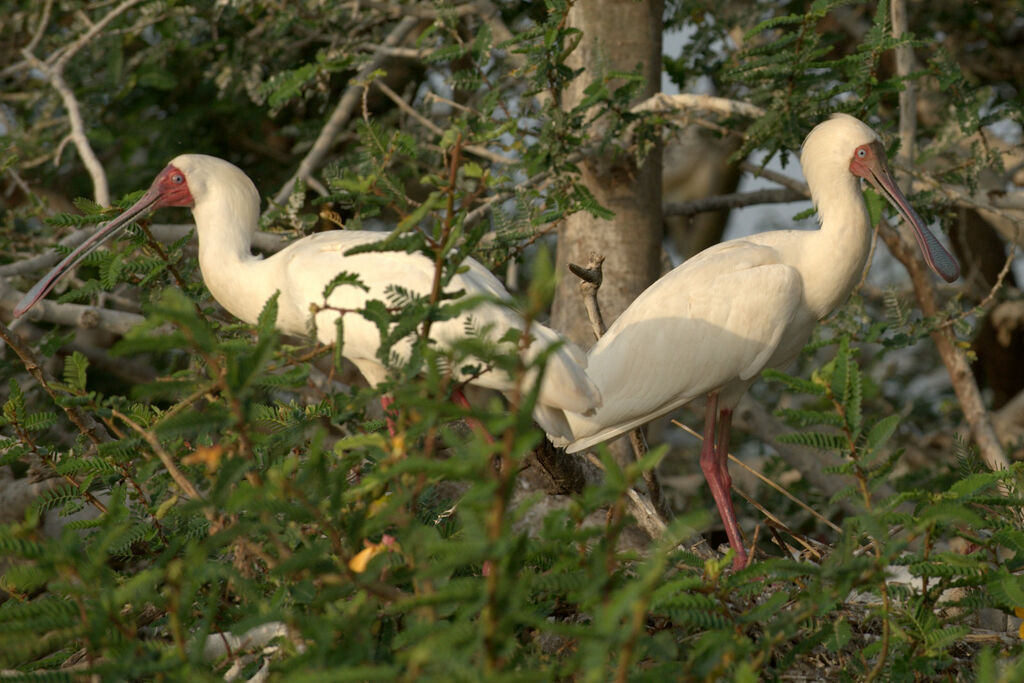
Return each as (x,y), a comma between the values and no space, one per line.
(225,205)
(707,328)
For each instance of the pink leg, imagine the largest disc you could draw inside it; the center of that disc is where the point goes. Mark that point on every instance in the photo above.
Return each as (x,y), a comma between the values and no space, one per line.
(385,402)
(714,454)
(722,447)
(459,399)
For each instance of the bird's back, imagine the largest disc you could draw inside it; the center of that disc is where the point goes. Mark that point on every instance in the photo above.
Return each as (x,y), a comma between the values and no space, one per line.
(713,323)
(313,262)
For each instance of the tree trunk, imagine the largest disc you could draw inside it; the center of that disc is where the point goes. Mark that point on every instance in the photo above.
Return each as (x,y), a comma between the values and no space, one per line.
(617,36)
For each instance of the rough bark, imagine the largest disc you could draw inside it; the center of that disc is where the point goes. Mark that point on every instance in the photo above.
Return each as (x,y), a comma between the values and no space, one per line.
(617,36)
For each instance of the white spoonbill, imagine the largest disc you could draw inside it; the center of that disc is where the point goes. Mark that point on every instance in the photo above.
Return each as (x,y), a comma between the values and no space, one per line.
(708,328)
(226,206)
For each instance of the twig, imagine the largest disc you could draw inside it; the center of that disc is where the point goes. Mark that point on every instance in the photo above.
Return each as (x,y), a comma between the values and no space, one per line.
(168,462)
(591,277)
(772,518)
(343,111)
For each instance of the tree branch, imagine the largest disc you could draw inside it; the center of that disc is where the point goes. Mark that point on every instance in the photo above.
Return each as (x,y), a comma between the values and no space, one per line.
(591,276)
(681,103)
(908,95)
(952,355)
(101,190)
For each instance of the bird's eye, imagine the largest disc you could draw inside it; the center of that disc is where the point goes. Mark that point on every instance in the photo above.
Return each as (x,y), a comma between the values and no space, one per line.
(177,179)
(861,152)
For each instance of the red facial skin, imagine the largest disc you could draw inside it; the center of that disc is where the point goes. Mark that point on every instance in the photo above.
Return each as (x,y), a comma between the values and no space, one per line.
(172,186)
(865,158)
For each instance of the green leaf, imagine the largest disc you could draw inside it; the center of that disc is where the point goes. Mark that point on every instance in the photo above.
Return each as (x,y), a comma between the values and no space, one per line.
(1005,588)
(823,442)
(75,366)
(880,433)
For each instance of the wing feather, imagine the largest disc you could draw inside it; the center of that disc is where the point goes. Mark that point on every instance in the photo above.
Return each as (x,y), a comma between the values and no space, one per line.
(714,322)
(313,262)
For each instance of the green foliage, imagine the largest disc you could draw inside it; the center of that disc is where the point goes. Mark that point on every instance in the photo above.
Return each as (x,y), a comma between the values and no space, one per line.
(910,528)
(233,483)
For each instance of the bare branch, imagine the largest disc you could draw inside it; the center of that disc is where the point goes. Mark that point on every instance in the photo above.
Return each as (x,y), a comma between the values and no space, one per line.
(60,58)
(591,276)
(101,190)
(680,104)
(908,95)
